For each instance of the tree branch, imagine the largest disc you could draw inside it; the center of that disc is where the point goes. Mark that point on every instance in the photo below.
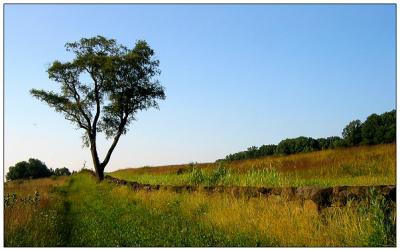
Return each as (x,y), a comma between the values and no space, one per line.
(61,104)
(77,98)
(78,102)
(97,99)
(115,141)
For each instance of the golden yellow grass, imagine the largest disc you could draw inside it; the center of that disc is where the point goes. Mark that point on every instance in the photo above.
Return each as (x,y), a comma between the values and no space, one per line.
(362,165)
(21,213)
(327,158)
(285,223)
(273,221)
(155,170)
(334,158)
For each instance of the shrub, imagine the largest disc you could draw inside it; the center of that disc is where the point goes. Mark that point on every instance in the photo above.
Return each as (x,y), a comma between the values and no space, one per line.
(265,177)
(10,199)
(197,176)
(384,224)
(218,174)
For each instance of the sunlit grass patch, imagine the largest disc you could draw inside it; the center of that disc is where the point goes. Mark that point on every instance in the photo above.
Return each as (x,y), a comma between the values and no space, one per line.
(84,212)
(273,220)
(33,213)
(364,165)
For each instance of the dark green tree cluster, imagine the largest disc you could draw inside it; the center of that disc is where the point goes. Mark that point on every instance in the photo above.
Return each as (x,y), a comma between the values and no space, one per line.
(61,172)
(377,129)
(297,145)
(33,169)
(288,146)
(253,152)
(330,142)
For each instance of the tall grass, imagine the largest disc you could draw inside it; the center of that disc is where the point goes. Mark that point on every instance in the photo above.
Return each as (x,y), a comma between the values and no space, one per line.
(102,214)
(78,211)
(33,212)
(277,221)
(382,213)
(224,176)
(365,165)
(84,212)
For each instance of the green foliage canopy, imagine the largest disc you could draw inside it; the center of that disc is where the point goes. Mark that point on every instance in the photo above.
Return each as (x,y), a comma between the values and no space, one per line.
(33,169)
(103,88)
(61,172)
(352,133)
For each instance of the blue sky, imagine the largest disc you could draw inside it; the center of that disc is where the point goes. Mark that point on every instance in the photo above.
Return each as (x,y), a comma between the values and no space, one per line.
(235,76)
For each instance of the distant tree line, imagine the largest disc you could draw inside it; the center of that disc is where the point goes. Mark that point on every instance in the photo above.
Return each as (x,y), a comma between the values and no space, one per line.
(33,169)
(376,129)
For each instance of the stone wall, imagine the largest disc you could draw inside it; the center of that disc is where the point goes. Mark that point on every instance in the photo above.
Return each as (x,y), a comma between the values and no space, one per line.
(322,197)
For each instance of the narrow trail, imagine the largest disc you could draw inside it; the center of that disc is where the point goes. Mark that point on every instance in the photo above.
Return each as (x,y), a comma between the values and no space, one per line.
(65,221)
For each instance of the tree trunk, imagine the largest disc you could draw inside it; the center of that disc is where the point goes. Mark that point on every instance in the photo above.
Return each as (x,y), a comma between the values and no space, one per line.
(99,169)
(96,162)
(100,173)
(100,166)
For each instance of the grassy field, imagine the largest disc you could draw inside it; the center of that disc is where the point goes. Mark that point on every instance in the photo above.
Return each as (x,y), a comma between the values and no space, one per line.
(365,165)
(33,212)
(79,211)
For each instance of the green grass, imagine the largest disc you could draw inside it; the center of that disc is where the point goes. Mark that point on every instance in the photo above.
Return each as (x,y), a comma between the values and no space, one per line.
(79,211)
(220,176)
(366,165)
(100,217)
(267,177)
(83,212)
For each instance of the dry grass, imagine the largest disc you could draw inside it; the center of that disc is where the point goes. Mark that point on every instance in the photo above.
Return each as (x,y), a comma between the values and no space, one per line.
(104,214)
(363,165)
(88,211)
(303,161)
(159,170)
(25,187)
(282,222)
(21,213)
(331,159)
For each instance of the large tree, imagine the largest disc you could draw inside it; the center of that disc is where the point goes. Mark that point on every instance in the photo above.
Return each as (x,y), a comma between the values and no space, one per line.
(102,89)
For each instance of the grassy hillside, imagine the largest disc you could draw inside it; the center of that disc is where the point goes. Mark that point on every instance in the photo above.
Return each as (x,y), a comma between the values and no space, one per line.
(364,165)
(78,211)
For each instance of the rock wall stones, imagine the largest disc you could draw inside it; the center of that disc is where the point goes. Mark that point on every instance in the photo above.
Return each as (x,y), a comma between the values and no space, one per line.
(322,197)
